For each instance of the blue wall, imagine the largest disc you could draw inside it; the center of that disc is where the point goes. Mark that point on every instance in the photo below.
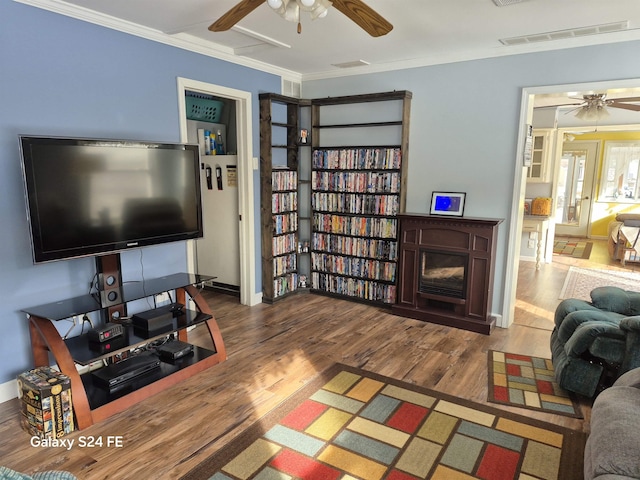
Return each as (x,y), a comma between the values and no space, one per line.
(65,77)
(465,120)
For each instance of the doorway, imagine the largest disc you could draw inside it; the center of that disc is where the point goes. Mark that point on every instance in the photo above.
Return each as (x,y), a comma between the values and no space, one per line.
(575,188)
(245,180)
(517,205)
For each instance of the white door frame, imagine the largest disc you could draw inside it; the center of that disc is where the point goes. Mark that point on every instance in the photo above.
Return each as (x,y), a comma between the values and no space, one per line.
(248,295)
(519,184)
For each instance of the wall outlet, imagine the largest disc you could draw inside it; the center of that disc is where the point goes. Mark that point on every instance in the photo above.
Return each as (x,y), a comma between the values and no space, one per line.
(531,243)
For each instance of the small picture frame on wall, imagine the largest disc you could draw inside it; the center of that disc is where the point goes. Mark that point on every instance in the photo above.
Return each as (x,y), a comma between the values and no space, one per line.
(447,203)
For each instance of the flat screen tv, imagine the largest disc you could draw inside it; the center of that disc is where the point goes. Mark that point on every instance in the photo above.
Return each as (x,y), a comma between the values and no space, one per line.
(91,197)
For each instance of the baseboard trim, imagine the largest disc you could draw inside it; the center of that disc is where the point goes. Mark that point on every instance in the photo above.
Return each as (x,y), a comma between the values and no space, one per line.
(8,391)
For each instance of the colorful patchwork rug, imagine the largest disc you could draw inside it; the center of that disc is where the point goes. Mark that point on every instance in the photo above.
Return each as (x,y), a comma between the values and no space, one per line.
(352,424)
(573,248)
(528,382)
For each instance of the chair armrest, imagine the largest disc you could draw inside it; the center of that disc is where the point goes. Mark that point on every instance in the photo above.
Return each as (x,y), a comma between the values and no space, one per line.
(631,326)
(585,334)
(569,305)
(630,323)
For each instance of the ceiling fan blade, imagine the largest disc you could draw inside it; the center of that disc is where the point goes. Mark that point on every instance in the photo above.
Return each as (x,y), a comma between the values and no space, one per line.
(367,18)
(628,99)
(233,16)
(626,106)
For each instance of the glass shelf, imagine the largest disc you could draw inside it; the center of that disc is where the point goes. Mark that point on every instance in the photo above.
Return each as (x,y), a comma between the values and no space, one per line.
(130,291)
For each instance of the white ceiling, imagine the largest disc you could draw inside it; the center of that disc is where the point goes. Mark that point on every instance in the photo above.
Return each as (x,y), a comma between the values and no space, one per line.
(425,32)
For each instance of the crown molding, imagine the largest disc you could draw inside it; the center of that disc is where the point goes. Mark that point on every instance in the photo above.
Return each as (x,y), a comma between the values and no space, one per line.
(480,54)
(197,45)
(180,40)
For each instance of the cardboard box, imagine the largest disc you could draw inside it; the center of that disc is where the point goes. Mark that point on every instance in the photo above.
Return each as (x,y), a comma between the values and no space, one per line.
(46,405)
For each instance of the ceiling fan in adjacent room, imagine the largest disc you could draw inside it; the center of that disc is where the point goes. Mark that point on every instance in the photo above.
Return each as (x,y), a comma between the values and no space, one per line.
(356,10)
(594,106)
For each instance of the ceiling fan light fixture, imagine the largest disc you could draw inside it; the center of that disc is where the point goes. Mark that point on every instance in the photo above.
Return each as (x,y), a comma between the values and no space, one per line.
(320,9)
(291,12)
(275,4)
(306,3)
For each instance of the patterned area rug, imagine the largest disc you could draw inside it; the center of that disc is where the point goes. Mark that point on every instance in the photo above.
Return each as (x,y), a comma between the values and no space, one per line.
(352,424)
(528,382)
(573,248)
(580,281)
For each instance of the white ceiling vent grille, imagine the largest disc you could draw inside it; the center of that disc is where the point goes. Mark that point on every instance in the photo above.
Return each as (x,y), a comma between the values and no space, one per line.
(291,88)
(569,33)
(504,3)
(353,64)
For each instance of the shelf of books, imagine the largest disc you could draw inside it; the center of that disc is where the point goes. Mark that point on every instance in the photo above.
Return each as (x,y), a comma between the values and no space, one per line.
(284,242)
(280,195)
(355,201)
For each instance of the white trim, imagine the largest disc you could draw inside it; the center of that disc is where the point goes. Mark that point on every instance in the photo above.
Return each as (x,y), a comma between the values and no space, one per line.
(519,182)
(180,40)
(211,49)
(245,177)
(8,391)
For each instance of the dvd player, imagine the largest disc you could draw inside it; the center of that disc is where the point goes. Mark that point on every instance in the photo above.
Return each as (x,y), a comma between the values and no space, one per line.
(116,375)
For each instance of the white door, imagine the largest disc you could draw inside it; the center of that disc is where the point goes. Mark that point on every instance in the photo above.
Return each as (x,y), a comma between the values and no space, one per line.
(574,191)
(218,252)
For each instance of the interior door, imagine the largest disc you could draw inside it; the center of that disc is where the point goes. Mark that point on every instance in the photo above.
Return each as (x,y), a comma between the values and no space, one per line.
(574,191)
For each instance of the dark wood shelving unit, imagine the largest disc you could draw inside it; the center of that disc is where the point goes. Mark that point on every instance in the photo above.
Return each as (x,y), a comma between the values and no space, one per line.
(384,113)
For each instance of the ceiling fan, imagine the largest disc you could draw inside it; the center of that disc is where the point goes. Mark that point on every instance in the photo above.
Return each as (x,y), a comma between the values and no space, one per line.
(359,12)
(594,106)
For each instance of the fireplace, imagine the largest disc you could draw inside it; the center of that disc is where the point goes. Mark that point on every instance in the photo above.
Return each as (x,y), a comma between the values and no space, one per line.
(446,270)
(443,273)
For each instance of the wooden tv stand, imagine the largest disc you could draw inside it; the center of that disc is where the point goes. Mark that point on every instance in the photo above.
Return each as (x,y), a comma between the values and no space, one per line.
(92,403)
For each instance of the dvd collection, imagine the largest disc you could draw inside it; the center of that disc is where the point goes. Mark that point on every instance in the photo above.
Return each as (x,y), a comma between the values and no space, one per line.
(357,158)
(354,266)
(285,264)
(356,182)
(355,199)
(283,244)
(364,289)
(356,204)
(357,226)
(284,202)
(285,223)
(355,246)
(285,284)
(283,180)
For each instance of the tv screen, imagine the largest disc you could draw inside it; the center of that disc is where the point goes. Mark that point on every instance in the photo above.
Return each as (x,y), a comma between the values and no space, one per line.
(88,196)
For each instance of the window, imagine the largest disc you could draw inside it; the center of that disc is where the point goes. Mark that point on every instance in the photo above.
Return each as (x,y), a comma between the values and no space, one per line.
(619,181)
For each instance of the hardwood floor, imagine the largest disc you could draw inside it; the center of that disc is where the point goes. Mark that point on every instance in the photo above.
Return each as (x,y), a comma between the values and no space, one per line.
(275,349)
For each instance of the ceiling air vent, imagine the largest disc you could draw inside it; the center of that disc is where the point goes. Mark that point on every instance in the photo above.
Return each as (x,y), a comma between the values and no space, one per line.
(355,63)
(504,3)
(569,33)
(291,88)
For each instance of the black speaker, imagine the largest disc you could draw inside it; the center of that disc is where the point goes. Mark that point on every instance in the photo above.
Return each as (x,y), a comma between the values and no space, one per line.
(109,280)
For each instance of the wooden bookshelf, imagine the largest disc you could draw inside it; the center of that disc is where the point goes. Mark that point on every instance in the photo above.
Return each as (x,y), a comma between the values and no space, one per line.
(350,188)
(359,160)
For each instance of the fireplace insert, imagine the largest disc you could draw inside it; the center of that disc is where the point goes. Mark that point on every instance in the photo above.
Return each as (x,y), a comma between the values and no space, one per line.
(443,273)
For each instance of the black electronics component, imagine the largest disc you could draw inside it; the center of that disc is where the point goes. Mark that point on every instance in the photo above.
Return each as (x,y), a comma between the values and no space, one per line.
(174,350)
(117,375)
(156,321)
(109,346)
(106,332)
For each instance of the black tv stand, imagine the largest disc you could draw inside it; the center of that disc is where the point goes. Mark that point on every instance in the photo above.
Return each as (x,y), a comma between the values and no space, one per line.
(91,402)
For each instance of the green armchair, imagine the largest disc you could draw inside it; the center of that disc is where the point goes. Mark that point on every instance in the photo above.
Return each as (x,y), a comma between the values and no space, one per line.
(593,343)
